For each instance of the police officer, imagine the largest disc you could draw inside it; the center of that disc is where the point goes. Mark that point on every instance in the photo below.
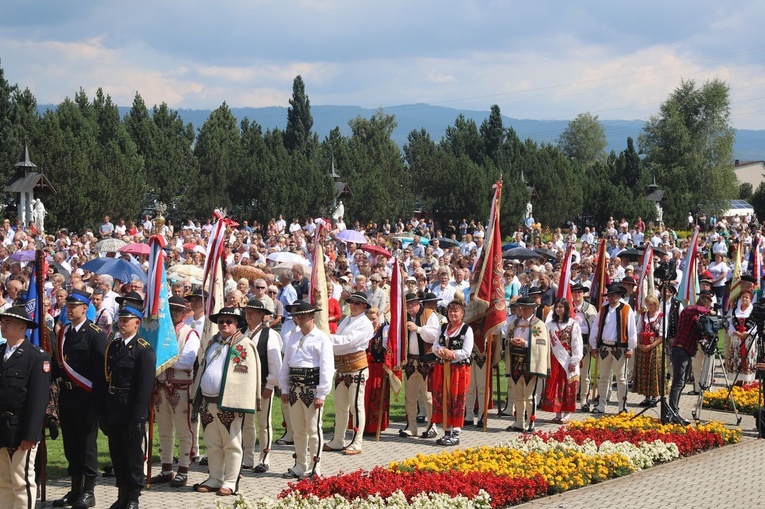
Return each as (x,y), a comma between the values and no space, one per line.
(24,391)
(125,389)
(79,359)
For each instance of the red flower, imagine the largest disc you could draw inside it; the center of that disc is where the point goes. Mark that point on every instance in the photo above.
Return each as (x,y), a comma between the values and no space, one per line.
(236,360)
(239,347)
(243,355)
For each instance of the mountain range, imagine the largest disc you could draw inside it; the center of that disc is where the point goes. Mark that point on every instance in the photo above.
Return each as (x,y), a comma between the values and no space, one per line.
(749,144)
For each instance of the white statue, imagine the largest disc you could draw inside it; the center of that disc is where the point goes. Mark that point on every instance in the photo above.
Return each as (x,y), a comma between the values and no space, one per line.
(339,211)
(529,208)
(659,213)
(38,214)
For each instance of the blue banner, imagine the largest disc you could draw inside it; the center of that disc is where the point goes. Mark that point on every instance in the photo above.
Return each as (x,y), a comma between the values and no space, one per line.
(34,308)
(158,329)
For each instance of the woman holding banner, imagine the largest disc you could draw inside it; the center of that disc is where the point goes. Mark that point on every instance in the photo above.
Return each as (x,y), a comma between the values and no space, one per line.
(451,377)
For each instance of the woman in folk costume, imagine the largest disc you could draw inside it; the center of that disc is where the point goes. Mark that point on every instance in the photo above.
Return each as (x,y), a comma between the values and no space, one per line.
(648,355)
(567,351)
(451,376)
(742,352)
(379,357)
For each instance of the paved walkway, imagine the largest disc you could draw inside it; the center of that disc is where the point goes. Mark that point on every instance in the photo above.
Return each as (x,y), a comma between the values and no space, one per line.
(724,477)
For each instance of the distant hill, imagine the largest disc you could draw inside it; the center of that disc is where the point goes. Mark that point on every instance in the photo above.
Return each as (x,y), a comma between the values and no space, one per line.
(749,146)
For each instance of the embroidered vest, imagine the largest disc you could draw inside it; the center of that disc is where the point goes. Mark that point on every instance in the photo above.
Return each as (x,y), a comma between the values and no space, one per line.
(622,319)
(455,342)
(375,348)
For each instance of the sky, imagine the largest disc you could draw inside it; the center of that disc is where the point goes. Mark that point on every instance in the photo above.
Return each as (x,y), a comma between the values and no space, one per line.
(540,59)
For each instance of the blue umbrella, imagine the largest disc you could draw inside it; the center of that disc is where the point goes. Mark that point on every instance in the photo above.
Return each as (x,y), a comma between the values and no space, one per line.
(117,268)
(510,245)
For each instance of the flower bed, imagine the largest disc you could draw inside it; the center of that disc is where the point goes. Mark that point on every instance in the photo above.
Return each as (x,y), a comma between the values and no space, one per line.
(747,398)
(516,471)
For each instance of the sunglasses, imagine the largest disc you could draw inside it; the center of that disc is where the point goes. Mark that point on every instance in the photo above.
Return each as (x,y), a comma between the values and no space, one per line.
(226,322)
(271,291)
(260,287)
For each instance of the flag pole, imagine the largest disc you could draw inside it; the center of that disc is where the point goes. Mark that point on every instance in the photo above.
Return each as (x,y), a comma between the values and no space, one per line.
(45,345)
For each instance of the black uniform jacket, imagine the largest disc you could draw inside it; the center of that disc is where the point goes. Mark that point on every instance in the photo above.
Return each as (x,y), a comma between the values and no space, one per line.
(24,392)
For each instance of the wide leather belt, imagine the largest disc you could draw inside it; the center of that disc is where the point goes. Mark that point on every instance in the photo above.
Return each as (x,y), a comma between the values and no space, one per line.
(304,376)
(351,362)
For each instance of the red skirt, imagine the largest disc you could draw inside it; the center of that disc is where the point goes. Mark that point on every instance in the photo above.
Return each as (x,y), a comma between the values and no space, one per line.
(459,382)
(375,400)
(560,392)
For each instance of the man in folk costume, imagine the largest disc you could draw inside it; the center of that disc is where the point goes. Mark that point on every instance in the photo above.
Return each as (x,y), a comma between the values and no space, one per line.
(197,322)
(424,327)
(124,395)
(80,356)
(226,388)
(268,344)
(351,372)
(24,393)
(540,311)
(613,338)
(584,313)
(306,380)
(476,393)
(172,401)
(529,353)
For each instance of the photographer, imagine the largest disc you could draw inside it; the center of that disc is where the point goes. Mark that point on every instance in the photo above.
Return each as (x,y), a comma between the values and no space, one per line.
(684,347)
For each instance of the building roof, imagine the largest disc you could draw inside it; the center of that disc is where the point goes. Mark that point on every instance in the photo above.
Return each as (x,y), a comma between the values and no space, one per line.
(28,182)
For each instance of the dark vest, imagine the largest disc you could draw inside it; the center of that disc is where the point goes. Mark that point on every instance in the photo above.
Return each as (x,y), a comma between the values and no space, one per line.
(376,349)
(456,342)
(262,348)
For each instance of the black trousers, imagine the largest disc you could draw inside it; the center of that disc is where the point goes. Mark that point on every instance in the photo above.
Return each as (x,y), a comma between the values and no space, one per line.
(126,448)
(79,428)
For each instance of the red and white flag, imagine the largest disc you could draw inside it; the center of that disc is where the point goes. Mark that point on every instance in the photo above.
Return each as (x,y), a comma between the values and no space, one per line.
(600,279)
(564,285)
(397,333)
(645,286)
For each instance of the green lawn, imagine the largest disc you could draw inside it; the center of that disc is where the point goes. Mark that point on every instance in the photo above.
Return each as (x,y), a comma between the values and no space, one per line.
(57,462)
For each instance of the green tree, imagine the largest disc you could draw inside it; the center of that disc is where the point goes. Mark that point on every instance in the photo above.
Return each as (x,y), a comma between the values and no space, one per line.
(688,145)
(584,140)
(758,201)
(493,135)
(298,135)
(376,173)
(745,191)
(217,151)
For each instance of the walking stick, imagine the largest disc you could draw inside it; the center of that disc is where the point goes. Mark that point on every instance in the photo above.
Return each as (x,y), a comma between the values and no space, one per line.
(487,394)
(150,445)
(380,408)
(499,394)
(445,398)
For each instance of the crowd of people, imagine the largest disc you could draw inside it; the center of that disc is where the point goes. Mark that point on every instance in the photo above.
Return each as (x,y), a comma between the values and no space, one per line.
(560,355)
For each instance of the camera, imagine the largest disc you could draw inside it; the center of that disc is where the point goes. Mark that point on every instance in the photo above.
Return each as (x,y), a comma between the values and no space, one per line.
(758,313)
(666,271)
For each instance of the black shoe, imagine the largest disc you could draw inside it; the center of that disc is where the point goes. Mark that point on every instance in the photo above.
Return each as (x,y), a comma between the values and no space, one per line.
(203,461)
(694,393)
(441,441)
(479,424)
(246,467)
(281,441)
(67,500)
(430,432)
(87,499)
(645,402)
(289,474)
(133,504)
(260,469)
(421,419)
(404,433)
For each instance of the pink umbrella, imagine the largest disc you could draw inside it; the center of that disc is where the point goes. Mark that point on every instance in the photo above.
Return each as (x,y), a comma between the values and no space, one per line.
(136,249)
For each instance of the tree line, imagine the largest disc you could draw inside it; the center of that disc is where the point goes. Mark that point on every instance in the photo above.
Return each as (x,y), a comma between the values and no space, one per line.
(102,164)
